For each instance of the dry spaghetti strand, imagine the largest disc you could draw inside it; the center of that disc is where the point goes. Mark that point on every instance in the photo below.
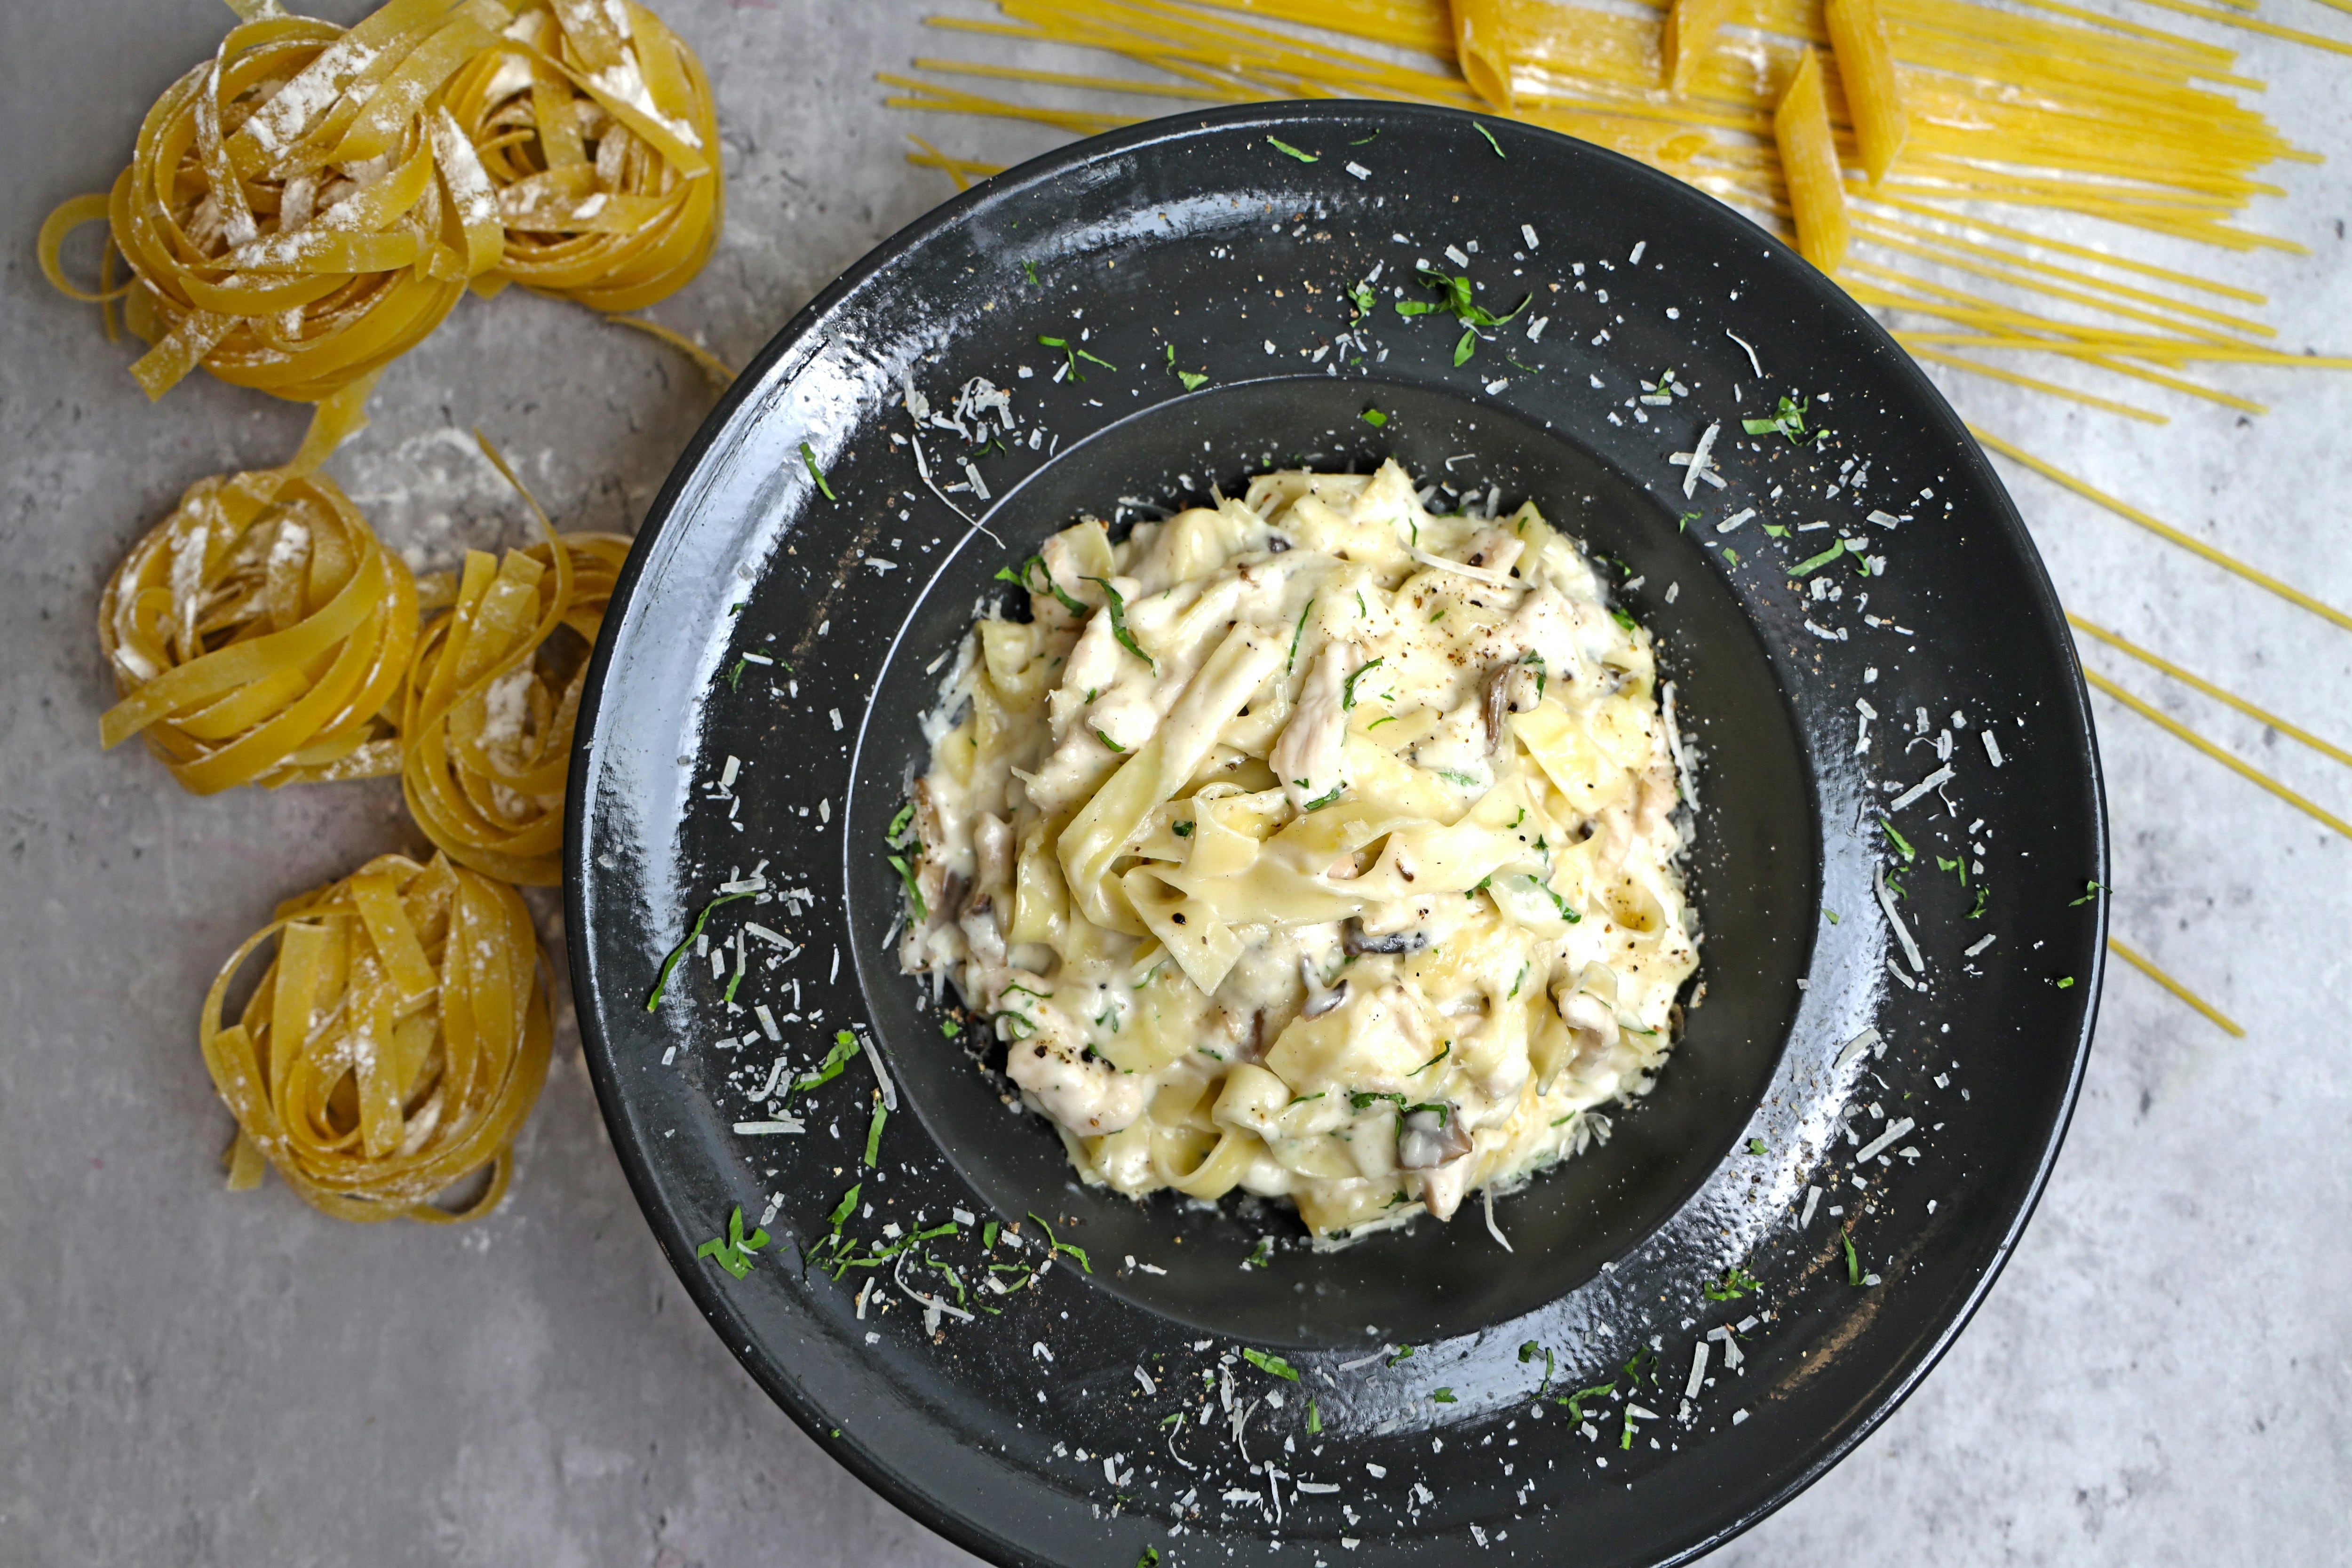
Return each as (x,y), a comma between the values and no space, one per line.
(490,705)
(259,634)
(394,1043)
(2222,1020)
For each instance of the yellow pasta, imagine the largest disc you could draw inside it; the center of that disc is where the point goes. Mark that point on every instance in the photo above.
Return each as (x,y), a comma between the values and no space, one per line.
(260,633)
(1874,98)
(394,1045)
(603,144)
(1800,128)
(1482,49)
(488,718)
(307,205)
(1689,33)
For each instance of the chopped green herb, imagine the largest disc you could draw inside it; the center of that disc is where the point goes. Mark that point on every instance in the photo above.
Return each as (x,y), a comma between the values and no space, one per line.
(1404,1355)
(1814,564)
(1489,136)
(2065,983)
(1625,1438)
(1452,776)
(1731,555)
(1433,1061)
(1262,1257)
(1756,1146)
(1466,345)
(1518,983)
(1150,1558)
(1622,618)
(847,1206)
(988,1237)
(1682,524)
(733,1253)
(735,676)
(1031,268)
(1035,566)
(1094,359)
(1321,801)
(845,1046)
(661,981)
(906,878)
(1347,687)
(896,834)
(1528,1352)
(1568,911)
(1384,719)
(1366,141)
(1270,1363)
(1831,913)
(1314,1419)
(1777,529)
(817,473)
(1107,741)
(1644,1365)
(949,1027)
(1788,419)
(1373,418)
(1279,145)
(1296,633)
(1736,1282)
(1853,1260)
(1443,1395)
(1983,893)
(1901,843)
(1181,829)
(1056,1243)
(2090,890)
(874,1130)
(1961,866)
(1118,607)
(1575,1402)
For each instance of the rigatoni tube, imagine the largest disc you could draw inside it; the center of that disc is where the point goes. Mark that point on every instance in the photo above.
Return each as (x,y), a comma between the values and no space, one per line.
(1873,99)
(1801,125)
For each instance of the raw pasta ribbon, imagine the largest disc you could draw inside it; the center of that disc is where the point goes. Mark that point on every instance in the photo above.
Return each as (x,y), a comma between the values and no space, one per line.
(487,720)
(394,1045)
(259,634)
(307,205)
(596,126)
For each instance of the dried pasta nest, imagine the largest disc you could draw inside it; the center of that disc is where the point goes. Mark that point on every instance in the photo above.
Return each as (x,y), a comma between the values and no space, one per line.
(601,142)
(491,700)
(394,1045)
(260,633)
(305,206)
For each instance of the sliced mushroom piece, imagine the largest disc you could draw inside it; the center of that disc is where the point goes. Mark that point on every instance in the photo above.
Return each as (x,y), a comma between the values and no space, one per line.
(1322,1002)
(1510,689)
(1431,1136)
(1353,938)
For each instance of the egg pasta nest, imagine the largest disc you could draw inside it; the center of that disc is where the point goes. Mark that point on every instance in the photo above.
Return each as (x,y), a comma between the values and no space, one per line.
(1313,845)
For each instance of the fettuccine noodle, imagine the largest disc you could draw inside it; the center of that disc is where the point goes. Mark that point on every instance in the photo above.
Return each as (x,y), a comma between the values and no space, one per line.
(260,633)
(307,205)
(394,1045)
(487,721)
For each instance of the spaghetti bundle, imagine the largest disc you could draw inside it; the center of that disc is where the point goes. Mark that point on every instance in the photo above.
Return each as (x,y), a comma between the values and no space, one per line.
(307,205)
(603,145)
(488,715)
(396,1041)
(259,634)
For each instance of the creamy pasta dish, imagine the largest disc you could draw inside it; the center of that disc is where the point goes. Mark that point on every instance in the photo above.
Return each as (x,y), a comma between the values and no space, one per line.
(1314,845)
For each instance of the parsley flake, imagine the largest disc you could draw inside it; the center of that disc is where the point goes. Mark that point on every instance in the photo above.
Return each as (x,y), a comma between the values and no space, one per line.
(1279,145)
(817,473)
(1274,1364)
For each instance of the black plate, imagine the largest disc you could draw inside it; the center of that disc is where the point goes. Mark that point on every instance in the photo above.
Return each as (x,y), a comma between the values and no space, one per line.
(1028,1436)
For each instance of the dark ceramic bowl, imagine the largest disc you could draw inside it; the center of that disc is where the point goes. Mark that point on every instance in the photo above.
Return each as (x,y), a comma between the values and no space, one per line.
(799,625)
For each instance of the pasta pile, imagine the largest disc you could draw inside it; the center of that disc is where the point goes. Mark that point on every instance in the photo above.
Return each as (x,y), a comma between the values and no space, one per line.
(1880,158)
(307,205)
(487,723)
(260,633)
(395,1042)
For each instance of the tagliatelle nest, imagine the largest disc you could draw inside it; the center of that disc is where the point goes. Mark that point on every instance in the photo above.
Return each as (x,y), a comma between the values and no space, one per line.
(394,1045)
(260,633)
(307,205)
(487,720)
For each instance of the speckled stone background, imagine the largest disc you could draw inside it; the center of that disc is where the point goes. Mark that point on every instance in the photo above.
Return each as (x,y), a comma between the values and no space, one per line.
(188,1378)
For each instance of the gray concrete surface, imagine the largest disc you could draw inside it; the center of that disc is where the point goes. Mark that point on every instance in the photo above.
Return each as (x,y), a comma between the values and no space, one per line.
(191,1377)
